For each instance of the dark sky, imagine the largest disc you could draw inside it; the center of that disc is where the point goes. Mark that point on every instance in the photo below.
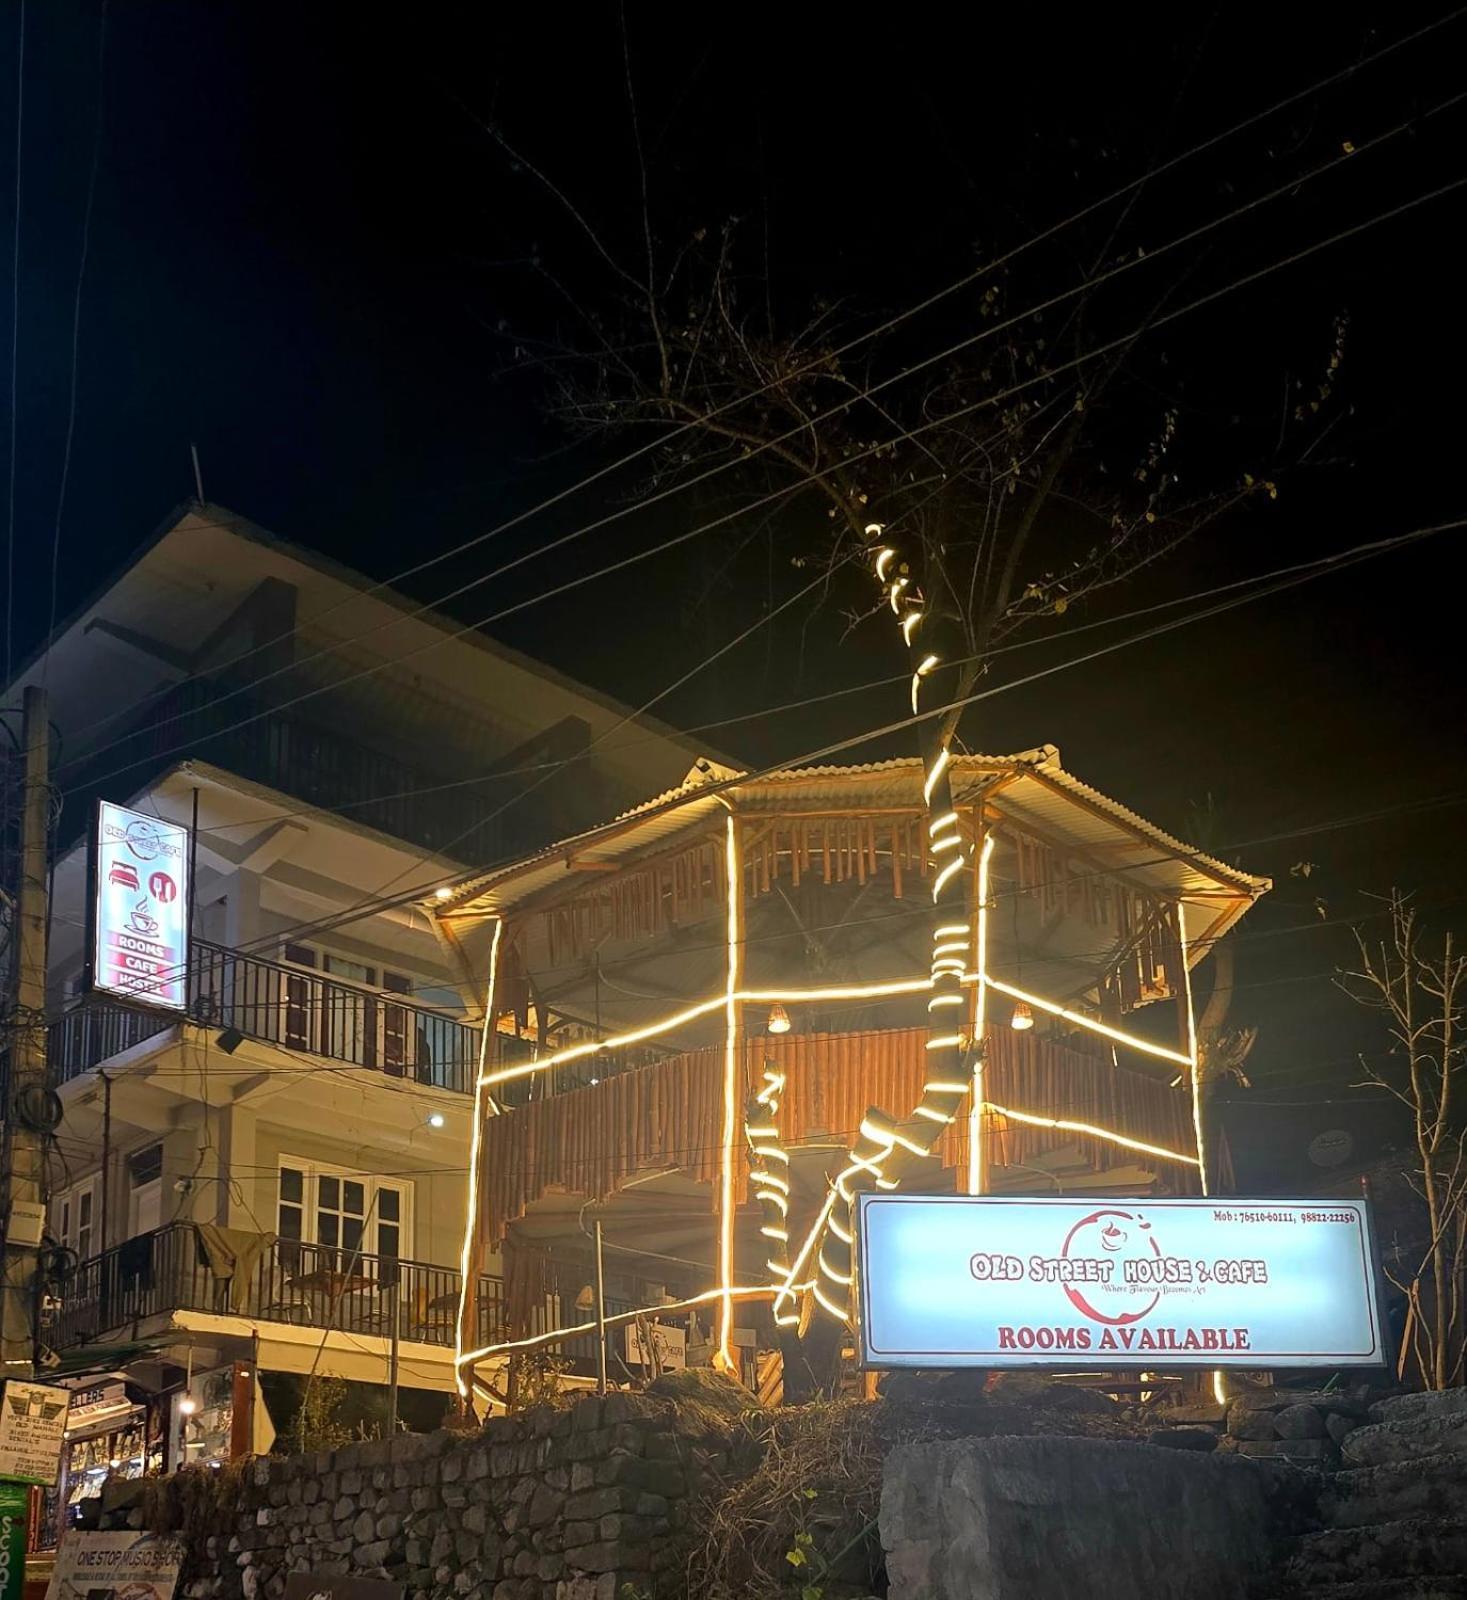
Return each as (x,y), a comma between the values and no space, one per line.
(302,246)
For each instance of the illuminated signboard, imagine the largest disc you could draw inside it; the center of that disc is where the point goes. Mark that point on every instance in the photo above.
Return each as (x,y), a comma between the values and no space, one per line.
(140,908)
(968,1281)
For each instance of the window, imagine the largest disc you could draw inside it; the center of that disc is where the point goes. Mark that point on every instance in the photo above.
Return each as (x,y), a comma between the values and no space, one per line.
(74,1218)
(328,1214)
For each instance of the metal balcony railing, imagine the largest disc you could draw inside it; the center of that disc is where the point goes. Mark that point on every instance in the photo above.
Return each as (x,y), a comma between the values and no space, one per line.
(305,1285)
(286,1006)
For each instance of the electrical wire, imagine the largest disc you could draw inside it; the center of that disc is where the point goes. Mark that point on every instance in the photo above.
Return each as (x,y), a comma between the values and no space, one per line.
(966,280)
(371,905)
(14,346)
(81,273)
(907,372)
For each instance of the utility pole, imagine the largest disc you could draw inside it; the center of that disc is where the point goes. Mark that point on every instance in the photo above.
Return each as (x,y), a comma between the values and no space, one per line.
(22,1197)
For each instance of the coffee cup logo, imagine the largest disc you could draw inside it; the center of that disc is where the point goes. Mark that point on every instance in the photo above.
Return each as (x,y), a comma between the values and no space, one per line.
(1114,1237)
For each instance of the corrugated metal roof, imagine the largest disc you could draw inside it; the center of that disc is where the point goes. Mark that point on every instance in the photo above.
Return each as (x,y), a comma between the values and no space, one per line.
(1031,787)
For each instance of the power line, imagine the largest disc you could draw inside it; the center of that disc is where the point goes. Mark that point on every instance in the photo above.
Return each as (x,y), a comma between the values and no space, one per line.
(1083,287)
(81,272)
(1292,579)
(14,346)
(1150,325)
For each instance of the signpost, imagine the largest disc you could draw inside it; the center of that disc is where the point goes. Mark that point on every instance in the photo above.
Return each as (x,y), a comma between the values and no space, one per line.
(140,906)
(32,1427)
(977,1281)
(115,1566)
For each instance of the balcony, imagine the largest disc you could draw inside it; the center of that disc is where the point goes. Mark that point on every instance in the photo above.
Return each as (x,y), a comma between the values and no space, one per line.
(307,762)
(304,1285)
(284,1006)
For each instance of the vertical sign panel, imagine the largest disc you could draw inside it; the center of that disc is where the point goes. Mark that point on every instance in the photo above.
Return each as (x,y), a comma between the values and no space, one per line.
(140,913)
(14,1524)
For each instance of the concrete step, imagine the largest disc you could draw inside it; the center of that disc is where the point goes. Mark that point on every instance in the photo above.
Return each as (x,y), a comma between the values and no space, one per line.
(1434,1485)
(1419,1546)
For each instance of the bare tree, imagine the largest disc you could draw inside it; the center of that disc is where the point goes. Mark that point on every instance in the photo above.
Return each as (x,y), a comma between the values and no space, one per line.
(993,487)
(1420,994)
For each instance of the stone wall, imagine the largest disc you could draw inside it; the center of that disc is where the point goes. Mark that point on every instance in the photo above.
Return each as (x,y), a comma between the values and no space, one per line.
(553,1505)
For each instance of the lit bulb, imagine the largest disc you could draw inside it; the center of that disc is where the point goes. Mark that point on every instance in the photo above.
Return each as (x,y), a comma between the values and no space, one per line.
(188,1405)
(436,1119)
(1022,1018)
(443,892)
(779,1019)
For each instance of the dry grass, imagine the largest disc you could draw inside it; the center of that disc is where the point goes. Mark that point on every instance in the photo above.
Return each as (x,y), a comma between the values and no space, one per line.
(816,1470)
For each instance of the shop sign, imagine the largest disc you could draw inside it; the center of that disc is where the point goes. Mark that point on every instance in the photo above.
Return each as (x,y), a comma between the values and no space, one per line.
(32,1428)
(669,1345)
(14,1521)
(115,1566)
(140,907)
(974,1281)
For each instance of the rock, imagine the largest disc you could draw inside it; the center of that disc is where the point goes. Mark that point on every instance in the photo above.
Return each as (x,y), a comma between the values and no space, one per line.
(1405,1439)
(1327,1401)
(1435,1485)
(1039,1519)
(1431,1403)
(707,1388)
(1074,1397)
(1199,1439)
(1337,1427)
(1251,1424)
(1298,1422)
(1194,1412)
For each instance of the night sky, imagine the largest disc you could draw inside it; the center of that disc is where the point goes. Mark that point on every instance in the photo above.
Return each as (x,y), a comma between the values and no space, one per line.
(305,254)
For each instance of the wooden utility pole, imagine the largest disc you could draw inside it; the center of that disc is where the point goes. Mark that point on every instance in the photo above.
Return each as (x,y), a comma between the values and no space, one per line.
(22,1181)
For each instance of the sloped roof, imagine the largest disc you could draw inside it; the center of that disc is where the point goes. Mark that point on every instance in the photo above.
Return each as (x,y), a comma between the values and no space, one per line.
(1036,790)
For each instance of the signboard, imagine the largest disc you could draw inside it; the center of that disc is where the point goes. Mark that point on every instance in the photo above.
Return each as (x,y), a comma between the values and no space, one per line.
(32,1429)
(115,1566)
(971,1281)
(140,908)
(15,1506)
(338,1586)
(669,1345)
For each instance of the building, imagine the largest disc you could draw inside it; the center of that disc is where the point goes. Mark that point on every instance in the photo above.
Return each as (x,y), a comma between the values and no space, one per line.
(750,954)
(272,1183)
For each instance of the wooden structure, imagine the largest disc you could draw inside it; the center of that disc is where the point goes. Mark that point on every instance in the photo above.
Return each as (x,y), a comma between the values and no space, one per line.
(640,976)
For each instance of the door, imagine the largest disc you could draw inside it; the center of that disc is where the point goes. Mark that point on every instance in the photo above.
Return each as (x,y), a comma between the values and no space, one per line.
(145,1190)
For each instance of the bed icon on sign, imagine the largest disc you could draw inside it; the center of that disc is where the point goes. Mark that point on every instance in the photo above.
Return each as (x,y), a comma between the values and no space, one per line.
(123,872)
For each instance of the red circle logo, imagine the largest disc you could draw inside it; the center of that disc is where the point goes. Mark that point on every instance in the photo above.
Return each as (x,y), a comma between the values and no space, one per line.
(162,888)
(1114,1236)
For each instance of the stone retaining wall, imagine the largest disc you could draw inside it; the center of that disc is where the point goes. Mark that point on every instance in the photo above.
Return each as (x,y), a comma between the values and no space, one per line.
(554,1505)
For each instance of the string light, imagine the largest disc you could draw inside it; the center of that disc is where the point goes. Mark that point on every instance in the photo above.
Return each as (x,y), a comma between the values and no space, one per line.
(1192,1046)
(1064,1125)
(976,1180)
(725,1357)
(475,1144)
(1082,1021)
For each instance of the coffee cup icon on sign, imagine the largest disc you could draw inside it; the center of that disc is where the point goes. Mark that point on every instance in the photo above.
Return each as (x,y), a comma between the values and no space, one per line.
(142,921)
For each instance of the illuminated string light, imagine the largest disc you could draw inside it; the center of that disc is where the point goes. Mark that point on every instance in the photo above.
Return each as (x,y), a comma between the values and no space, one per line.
(471,1218)
(909,622)
(554,1335)
(940,882)
(1196,1064)
(922,669)
(1064,1125)
(976,1179)
(929,783)
(733,866)
(1082,1021)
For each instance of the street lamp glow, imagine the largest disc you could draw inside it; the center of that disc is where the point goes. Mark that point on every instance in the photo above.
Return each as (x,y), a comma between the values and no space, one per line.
(436,1119)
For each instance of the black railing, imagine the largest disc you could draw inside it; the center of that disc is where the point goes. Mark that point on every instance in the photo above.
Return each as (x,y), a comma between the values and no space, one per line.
(302,1284)
(286,1006)
(246,735)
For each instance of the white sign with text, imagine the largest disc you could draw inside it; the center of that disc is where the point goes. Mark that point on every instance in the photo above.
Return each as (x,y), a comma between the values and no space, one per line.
(975,1281)
(140,917)
(32,1426)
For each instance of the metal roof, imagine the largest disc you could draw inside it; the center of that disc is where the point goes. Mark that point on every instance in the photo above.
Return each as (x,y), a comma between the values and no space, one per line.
(1036,791)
